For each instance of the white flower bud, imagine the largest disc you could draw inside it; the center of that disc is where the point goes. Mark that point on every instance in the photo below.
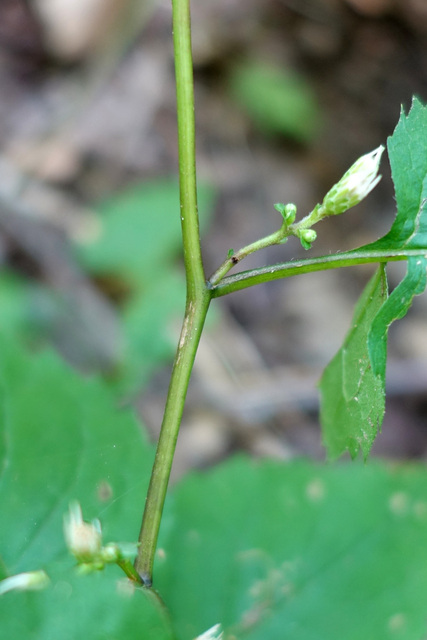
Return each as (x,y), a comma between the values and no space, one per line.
(355,184)
(29,581)
(83,539)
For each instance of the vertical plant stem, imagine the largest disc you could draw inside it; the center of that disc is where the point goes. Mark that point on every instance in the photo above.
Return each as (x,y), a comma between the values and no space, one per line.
(198,294)
(189,340)
(186,147)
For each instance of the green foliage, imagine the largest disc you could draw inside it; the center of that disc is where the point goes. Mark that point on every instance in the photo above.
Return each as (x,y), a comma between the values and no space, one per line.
(408,160)
(278,101)
(353,397)
(147,319)
(137,246)
(63,439)
(139,231)
(74,607)
(134,253)
(297,550)
(269,550)
(396,307)
(14,301)
(353,385)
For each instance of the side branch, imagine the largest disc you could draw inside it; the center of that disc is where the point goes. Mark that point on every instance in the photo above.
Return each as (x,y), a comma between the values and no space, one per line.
(246,279)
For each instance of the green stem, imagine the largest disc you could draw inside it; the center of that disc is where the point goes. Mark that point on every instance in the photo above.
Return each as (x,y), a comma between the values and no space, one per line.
(275,238)
(198,294)
(190,335)
(246,279)
(126,566)
(186,146)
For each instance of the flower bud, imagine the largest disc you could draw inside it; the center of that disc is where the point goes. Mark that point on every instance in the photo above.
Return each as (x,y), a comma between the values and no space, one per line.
(290,213)
(110,553)
(29,581)
(287,211)
(355,184)
(307,236)
(83,539)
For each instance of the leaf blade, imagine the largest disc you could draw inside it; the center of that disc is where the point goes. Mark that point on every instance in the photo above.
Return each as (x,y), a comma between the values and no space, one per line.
(395,307)
(352,396)
(297,550)
(408,160)
(67,440)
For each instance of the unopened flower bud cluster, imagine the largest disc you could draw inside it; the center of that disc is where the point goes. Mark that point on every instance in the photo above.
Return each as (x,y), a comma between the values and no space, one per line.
(84,541)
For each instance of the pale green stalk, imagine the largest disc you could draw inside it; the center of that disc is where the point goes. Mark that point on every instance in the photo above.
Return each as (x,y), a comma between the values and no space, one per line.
(275,238)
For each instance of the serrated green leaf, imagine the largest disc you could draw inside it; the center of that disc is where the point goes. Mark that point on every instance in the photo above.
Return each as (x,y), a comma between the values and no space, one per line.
(408,159)
(298,550)
(352,396)
(348,424)
(395,307)
(64,439)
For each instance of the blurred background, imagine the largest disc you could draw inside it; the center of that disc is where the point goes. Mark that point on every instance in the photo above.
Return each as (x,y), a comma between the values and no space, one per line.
(288,95)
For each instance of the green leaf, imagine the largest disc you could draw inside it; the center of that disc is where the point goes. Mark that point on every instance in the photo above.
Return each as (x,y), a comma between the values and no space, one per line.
(273,550)
(97,606)
(408,158)
(351,417)
(278,101)
(407,149)
(133,252)
(147,327)
(63,439)
(139,231)
(14,303)
(352,395)
(136,248)
(395,307)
